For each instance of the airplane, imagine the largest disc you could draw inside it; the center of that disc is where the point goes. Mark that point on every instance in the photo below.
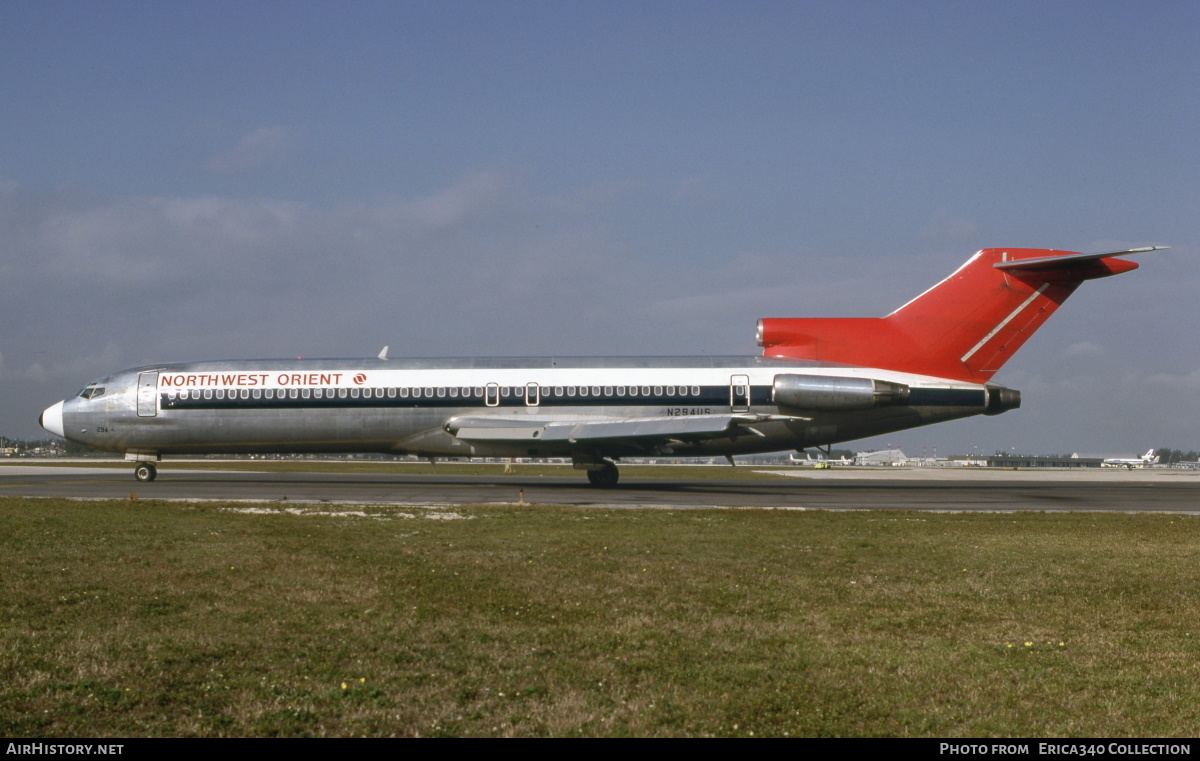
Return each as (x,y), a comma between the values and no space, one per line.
(819,381)
(1144,461)
(820,463)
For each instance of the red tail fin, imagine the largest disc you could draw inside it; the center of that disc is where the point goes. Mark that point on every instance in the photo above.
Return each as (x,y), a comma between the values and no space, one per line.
(964,328)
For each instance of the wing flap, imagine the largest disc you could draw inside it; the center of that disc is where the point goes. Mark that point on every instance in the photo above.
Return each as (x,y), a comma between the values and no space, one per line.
(644,429)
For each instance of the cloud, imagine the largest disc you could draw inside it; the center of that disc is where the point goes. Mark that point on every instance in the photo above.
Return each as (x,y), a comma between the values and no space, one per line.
(452,205)
(1083,349)
(483,265)
(72,369)
(265,147)
(1186,382)
(694,190)
(944,226)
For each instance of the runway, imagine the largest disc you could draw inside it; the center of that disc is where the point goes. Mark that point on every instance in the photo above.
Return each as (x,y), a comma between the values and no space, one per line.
(933,489)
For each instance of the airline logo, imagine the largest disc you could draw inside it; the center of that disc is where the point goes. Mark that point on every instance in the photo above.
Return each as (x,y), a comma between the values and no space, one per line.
(252,380)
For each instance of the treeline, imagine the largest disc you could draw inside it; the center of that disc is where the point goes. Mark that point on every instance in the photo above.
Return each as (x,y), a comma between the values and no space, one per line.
(1168,456)
(23,444)
(68,448)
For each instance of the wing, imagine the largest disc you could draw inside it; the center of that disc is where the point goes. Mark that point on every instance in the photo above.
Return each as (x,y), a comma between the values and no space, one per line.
(633,432)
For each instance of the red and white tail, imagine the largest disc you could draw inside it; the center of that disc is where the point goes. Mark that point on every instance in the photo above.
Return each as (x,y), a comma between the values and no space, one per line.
(964,328)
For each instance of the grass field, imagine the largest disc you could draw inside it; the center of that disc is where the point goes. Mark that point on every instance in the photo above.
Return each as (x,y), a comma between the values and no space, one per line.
(150,618)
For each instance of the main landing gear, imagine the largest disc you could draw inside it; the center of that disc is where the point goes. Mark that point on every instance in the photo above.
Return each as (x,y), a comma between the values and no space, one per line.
(145,471)
(604,477)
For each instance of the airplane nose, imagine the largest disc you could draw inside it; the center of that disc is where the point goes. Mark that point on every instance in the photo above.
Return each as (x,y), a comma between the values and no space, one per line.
(51,419)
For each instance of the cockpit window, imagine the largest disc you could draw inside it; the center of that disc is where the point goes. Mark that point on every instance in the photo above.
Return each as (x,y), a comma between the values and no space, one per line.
(92,391)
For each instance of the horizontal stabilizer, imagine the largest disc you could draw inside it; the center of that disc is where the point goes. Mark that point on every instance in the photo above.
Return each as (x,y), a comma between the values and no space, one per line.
(1070,260)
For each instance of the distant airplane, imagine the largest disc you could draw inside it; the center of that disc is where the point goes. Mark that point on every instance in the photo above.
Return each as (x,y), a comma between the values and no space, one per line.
(820,381)
(821,462)
(1144,461)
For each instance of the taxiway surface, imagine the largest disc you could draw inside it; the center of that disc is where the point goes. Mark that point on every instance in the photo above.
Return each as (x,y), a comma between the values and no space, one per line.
(1166,491)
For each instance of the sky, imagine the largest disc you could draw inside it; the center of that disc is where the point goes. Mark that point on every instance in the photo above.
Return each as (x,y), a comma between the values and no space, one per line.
(211,180)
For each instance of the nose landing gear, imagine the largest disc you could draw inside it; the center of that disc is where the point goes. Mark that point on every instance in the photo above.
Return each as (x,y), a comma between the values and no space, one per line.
(145,471)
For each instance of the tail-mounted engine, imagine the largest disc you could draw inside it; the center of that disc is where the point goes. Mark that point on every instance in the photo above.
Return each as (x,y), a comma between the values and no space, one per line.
(820,392)
(1001,399)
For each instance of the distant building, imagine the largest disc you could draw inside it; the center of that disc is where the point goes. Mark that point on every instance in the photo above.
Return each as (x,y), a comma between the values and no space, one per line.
(1042,461)
(882,457)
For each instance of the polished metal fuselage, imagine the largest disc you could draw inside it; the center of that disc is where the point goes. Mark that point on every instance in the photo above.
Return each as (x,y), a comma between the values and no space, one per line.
(406,406)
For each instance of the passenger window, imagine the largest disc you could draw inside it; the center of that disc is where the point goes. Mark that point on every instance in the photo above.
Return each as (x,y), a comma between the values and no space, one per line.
(305,393)
(257,393)
(658,390)
(441,391)
(293,393)
(670,391)
(392,393)
(645,391)
(428,393)
(570,391)
(620,391)
(695,391)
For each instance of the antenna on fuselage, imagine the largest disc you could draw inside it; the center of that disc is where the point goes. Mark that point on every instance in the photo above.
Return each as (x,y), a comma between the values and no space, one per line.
(383,354)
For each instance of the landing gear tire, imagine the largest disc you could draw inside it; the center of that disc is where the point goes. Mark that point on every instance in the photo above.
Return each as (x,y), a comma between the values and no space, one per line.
(145,471)
(605,477)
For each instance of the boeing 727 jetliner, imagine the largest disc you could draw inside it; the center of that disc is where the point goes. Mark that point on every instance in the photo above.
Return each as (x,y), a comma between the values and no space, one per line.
(820,381)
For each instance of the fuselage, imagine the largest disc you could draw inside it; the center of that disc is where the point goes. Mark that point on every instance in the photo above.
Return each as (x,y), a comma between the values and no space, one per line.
(409,406)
